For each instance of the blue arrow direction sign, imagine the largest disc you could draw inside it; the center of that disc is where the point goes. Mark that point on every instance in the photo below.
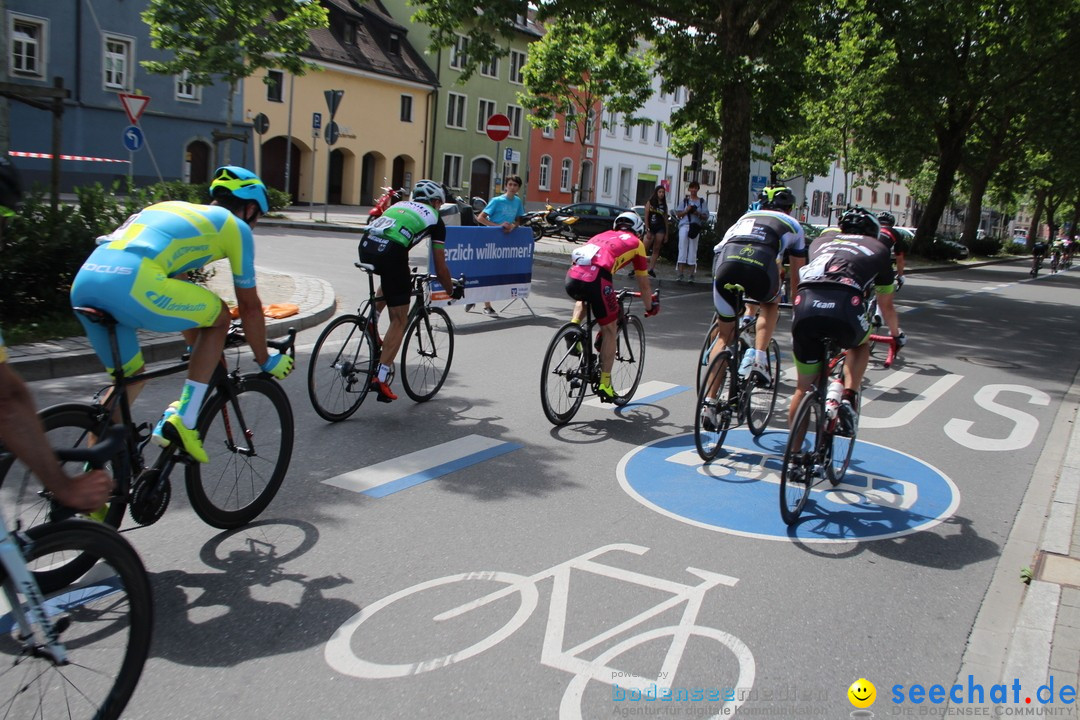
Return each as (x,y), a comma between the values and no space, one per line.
(133,138)
(316,121)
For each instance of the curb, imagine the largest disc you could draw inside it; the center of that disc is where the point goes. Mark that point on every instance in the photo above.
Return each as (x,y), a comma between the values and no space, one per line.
(159,347)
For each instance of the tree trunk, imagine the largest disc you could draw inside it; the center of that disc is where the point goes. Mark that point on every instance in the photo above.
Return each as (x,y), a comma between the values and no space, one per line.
(973,215)
(1075,217)
(1036,217)
(228,124)
(951,155)
(734,153)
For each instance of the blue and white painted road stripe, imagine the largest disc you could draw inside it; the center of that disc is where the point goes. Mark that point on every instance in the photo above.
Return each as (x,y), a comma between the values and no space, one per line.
(403,472)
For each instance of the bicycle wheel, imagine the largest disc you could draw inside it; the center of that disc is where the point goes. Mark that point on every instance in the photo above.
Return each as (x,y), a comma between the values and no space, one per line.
(706,347)
(427,354)
(761,396)
(105,621)
(249,440)
(629,359)
(564,375)
(341,367)
(797,475)
(842,445)
(709,433)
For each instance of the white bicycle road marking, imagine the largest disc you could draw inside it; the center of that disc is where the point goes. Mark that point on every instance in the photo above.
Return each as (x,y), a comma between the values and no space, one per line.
(1025,425)
(342,657)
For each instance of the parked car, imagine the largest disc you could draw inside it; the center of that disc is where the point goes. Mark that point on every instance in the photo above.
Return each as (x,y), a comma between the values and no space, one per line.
(940,248)
(592,218)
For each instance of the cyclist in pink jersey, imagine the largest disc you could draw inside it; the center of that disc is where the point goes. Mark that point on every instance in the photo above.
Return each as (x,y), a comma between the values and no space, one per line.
(589,281)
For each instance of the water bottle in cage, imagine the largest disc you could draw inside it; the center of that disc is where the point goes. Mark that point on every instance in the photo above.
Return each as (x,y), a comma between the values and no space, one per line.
(833,397)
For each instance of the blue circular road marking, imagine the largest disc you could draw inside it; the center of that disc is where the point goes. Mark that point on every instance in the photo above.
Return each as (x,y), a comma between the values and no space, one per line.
(885,494)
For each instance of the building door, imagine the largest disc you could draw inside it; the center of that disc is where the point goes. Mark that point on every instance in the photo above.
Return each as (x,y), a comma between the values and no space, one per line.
(197,162)
(367,180)
(333,190)
(587,174)
(480,178)
(273,166)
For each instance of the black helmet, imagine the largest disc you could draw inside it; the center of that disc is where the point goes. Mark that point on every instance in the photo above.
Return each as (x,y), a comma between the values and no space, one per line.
(886,218)
(10,187)
(860,221)
(777,198)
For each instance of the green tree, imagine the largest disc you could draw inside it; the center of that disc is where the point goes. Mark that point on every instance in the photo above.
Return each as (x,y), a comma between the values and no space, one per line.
(573,69)
(740,60)
(231,39)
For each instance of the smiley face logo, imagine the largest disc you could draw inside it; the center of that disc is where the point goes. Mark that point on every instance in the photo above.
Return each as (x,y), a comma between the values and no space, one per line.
(862,693)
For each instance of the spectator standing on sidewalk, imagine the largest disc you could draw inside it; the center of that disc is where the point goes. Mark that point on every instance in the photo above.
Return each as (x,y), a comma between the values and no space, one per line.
(503,211)
(692,215)
(656,218)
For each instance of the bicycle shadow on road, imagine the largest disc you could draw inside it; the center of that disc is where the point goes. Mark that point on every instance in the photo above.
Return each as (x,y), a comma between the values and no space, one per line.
(933,547)
(214,619)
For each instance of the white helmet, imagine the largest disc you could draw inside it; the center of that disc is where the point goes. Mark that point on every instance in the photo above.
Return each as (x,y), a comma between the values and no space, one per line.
(630,221)
(427,191)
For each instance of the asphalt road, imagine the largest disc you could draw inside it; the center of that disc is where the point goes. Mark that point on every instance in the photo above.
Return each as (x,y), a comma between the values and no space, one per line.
(630,567)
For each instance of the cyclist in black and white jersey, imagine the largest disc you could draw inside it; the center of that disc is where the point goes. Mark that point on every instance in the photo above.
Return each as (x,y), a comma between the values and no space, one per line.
(847,266)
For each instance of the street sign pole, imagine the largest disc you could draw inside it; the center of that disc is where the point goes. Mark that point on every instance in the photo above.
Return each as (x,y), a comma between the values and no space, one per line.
(314,152)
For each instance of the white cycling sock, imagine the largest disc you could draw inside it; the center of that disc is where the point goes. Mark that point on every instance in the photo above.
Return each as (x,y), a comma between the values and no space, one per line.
(191,398)
(384,370)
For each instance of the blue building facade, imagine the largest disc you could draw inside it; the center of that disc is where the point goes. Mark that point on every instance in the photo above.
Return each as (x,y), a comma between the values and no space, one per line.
(95,48)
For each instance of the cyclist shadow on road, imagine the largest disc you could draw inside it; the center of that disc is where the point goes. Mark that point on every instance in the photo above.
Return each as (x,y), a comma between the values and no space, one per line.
(937,547)
(214,619)
(633,424)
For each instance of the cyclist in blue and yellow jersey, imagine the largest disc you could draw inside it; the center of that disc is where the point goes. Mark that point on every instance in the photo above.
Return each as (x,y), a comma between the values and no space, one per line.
(750,254)
(138,275)
(20,428)
(589,280)
(386,246)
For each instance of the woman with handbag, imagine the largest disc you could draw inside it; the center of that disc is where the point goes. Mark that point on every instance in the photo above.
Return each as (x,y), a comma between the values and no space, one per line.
(692,215)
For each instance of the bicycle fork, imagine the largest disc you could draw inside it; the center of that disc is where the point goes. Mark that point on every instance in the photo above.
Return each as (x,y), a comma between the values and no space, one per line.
(39,633)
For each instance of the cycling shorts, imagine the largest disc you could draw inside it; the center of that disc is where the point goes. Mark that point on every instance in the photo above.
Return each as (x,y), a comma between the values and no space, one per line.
(599,294)
(139,294)
(751,265)
(391,261)
(821,312)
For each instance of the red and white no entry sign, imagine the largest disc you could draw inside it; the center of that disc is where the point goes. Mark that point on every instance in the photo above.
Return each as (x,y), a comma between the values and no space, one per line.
(498,127)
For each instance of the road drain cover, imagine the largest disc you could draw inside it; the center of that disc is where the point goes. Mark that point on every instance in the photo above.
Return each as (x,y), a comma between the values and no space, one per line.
(991,362)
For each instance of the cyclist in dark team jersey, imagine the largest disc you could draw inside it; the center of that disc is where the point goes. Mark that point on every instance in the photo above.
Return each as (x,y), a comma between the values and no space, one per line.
(846,266)
(900,240)
(138,275)
(386,245)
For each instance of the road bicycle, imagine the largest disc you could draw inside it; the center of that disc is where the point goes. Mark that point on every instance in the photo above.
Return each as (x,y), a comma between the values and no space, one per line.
(246,426)
(350,655)
(724,398)
(1036,265)
(820,442)
(346,355)
(572,361)
(883,348)
(72,647)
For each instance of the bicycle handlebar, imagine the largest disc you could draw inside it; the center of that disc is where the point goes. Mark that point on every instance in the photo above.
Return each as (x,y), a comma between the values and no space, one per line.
(236,338)
(102,451)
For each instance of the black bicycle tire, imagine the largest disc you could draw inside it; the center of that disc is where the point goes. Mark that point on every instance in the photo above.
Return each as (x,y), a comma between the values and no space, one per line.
(85,418)
(702,362)
(201,502)
(837,476)
(95,539)
(558,348)
(808,404)
(314,365)
(751,388)
(623,338)
(721,363)
(413,329)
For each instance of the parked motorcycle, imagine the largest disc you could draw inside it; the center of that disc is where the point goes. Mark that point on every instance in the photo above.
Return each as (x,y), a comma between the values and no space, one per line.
(388,198)
(455,211)
(549,222)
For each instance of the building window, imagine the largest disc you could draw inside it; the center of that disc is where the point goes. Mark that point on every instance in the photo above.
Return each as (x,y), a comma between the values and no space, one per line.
(645,131)
(565,174)
(873,197)
(395,44)
(275,84)
(659,133)
(815,205)
(628,130)
(185,89)
(490,68)
(896,200)
(406,108)
(858,194)
(27,46)
(612,123)
(607,181)
(568,130)
(907,202)
(675,96)
(545,172)
(486,110)
(888,199)
(517,65)
(451,173)
(118,62)
(840,198)
(516,114)
(590,127)
(548,132)
(459,52)
(455,110)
